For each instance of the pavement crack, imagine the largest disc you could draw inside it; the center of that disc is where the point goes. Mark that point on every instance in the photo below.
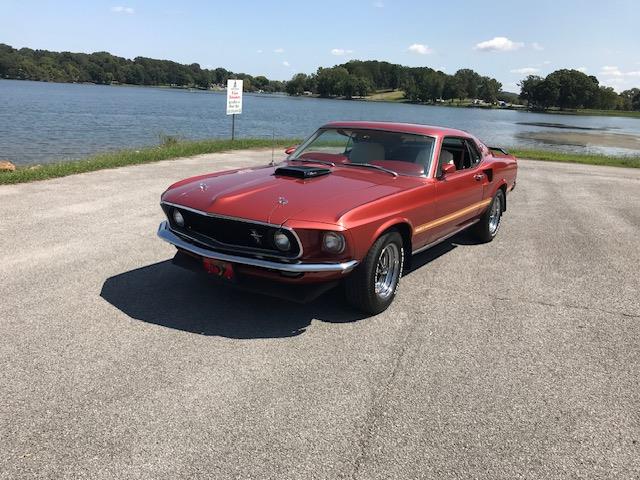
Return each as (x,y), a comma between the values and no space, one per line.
(375,411)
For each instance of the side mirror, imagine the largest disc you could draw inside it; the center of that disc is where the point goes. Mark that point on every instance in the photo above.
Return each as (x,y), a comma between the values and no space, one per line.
(290,150)
(447,168)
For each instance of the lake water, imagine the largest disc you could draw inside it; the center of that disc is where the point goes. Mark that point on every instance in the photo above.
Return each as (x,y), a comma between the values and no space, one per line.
(46,122)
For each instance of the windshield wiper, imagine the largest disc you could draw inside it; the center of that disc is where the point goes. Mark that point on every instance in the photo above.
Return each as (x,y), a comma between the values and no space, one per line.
(310,160)
(369,165)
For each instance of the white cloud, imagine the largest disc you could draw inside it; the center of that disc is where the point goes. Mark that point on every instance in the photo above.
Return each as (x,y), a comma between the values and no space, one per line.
(420,49)
(582,69)
(378,4)
(498,44)
(286,64)
(279,50)
(121,9)
(617,83)
(338,52)
(525,70)
(618,79)
(610,71)
(537,46)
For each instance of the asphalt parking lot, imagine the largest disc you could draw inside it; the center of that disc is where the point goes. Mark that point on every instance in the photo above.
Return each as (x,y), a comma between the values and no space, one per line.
(515,359)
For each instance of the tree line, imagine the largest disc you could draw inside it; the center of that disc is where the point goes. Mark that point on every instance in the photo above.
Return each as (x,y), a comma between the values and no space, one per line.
(563,89)
(420,84)
(572,89)
(104,68)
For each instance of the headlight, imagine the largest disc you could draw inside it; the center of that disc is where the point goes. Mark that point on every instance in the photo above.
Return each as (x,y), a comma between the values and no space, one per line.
(333,242)
(281,241)
(178,218)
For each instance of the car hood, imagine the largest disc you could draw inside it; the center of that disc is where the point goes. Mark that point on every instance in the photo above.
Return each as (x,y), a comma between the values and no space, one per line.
(257,194)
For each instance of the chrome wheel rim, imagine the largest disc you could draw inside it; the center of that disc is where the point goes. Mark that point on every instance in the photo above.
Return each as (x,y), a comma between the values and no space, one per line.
(494,215)
(387,271)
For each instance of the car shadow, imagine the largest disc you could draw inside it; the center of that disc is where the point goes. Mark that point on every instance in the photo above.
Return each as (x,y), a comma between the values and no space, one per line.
(172,297)
(421,259)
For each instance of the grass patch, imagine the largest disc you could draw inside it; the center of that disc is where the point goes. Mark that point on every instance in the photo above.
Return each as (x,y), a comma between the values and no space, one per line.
(170,148)
(551,156)
(387,96)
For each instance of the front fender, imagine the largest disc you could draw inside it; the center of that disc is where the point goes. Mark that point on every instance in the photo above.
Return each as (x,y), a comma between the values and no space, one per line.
(365,235)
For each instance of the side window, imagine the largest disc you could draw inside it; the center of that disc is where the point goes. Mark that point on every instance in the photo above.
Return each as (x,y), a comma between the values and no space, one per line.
(474,154)
(453,151)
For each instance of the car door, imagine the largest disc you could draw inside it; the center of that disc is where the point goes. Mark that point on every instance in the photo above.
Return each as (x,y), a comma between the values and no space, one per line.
(458,194)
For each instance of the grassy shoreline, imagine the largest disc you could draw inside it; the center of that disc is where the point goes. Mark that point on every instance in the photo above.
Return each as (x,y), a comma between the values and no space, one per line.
(397,96)
(168,151)
(629,161)
(177,149)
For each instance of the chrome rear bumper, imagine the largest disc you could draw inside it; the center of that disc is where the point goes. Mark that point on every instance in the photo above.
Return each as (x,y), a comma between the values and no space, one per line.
(165,233)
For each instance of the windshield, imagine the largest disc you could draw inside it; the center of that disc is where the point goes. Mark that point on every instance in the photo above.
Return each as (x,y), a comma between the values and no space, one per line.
(403,153)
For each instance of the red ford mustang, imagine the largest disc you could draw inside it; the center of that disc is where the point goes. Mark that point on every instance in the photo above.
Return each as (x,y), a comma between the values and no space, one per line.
(351,204)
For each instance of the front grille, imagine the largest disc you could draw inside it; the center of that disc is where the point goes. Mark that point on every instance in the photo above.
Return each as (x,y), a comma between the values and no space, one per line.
(238,236)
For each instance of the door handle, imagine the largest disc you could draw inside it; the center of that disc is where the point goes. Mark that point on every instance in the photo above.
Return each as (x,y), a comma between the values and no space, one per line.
(478,177)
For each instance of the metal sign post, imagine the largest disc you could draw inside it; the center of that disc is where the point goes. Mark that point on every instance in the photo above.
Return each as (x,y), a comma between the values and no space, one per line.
(234,102)
(233,127)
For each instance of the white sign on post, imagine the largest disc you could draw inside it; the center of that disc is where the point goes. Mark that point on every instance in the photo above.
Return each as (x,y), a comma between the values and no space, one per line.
(234,97)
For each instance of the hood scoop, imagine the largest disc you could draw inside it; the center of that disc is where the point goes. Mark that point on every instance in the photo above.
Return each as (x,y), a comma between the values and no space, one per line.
(303,172)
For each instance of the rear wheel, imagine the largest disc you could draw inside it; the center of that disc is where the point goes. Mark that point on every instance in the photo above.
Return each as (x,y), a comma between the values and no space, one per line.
(487,228)
(373,285)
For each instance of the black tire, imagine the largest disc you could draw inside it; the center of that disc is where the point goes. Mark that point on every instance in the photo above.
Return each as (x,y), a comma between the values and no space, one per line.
(486,229)
(360,286)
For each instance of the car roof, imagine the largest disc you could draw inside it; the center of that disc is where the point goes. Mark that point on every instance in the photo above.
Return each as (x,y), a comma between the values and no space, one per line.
(416,128)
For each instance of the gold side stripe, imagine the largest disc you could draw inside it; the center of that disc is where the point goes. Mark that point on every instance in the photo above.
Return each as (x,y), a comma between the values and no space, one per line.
(452,216)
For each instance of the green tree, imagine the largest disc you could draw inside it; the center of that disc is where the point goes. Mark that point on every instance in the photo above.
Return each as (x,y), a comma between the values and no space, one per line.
(331,81)
(410,88)
(452,88)
(539,93)
(606,99)
(261,82)
(626,98)
(489,89)
(296,85)
(635,101)
(349,86)
(469,82)
(363,87)
(575,89)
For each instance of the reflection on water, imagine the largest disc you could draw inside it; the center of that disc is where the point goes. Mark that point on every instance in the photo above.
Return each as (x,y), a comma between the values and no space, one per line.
(43,122)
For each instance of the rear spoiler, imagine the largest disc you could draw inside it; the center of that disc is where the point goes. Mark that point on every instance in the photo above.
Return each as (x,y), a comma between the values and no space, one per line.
(499,149)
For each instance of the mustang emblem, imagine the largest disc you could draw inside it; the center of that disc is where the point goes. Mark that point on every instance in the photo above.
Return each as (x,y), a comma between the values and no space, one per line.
(256,236)
(282,201)
(203,187)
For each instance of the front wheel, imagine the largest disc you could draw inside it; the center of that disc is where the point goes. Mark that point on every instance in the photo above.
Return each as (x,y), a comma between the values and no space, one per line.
(373,285)
(487,228)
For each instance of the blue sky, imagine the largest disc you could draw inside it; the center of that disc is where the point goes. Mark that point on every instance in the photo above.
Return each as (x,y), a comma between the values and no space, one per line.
(503,39)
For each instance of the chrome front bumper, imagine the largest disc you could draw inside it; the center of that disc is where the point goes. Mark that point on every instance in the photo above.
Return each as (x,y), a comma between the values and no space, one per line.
(165,233)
